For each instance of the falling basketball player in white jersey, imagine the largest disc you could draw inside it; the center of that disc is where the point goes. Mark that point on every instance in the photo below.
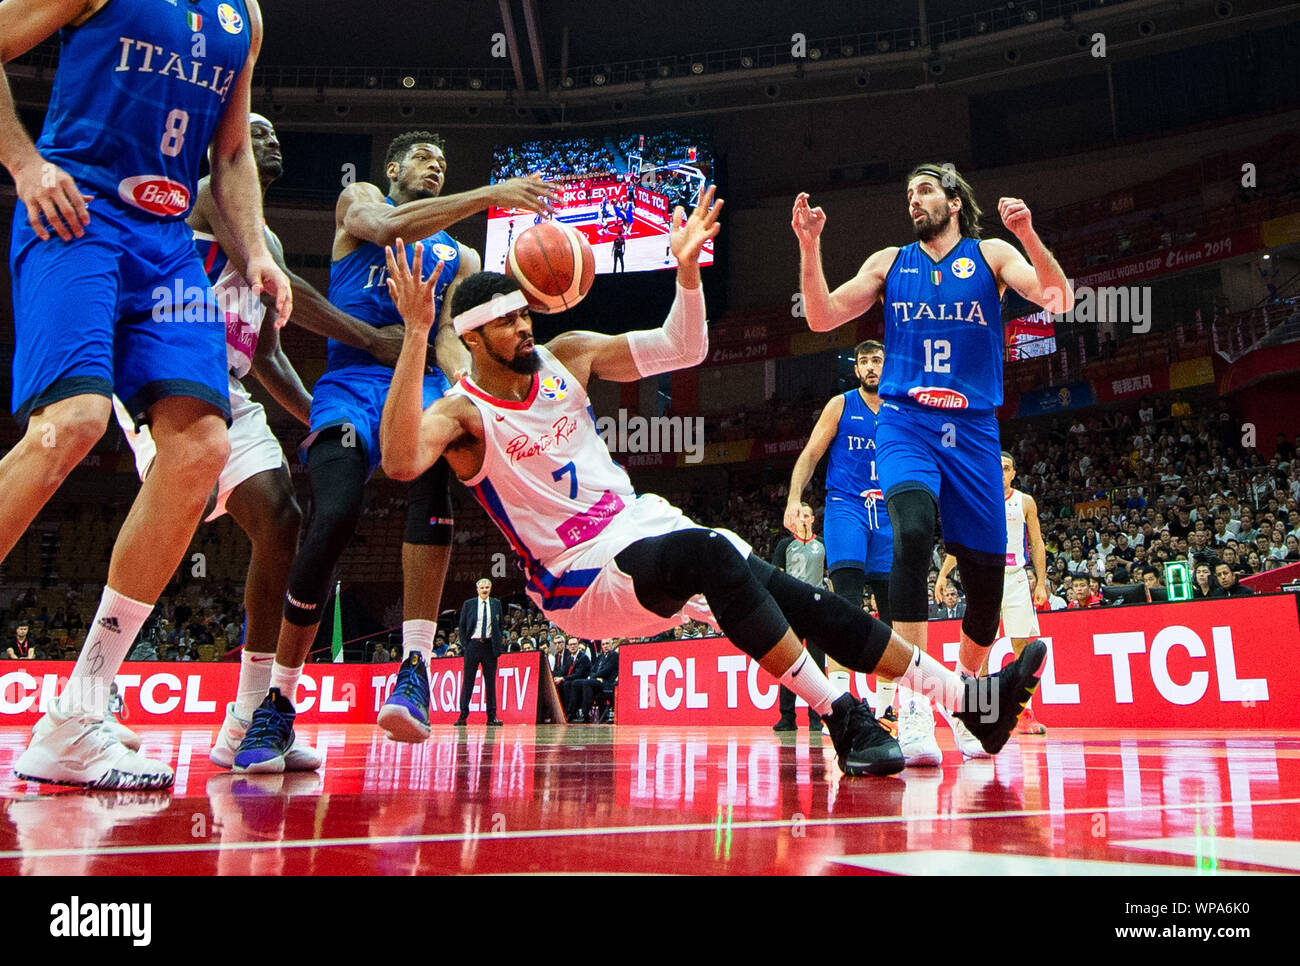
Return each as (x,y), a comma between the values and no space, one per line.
(1019,616)
(602,561)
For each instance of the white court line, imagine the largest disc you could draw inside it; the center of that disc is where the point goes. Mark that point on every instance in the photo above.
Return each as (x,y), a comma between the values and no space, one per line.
(1278,853)
(951,862)
(562,833)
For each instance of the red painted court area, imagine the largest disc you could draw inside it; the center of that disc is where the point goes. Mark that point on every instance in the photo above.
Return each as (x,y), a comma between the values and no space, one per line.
(567,799)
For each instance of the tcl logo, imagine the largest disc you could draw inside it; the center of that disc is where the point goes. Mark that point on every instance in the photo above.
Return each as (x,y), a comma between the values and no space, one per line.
(938,398)
(155,194)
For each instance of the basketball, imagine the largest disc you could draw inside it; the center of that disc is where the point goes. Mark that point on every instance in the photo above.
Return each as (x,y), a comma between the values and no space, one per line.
(554,266)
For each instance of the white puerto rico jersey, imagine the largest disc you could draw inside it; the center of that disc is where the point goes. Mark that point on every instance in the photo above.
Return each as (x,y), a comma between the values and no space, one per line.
(244,310)
(1015,504)
(549,483)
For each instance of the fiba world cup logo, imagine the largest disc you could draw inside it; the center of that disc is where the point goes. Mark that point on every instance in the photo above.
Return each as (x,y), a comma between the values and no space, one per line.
(554,387)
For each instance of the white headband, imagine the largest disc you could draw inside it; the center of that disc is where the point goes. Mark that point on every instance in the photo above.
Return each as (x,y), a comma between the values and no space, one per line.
(494,308)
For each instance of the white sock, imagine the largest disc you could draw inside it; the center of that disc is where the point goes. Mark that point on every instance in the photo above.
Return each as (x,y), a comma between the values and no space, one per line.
(286,679)
(805,679)
(928,677)
(417,635)
(109,638)
(254,680)
(884,695)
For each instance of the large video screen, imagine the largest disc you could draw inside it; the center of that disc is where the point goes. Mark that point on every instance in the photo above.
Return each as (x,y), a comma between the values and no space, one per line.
(619,190)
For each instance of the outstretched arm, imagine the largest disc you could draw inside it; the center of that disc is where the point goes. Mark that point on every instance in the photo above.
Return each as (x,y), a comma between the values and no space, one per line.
(311,309)
(1040,279)
(363,213)
(274,371)
(410,439)
(823,435)
(824,309)
(681,342)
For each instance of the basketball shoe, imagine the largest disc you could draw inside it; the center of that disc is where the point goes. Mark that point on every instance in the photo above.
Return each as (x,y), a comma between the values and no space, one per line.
(269,738)
(76,749)
(300,757)
(114,728)
(862,745)
(1028,724)
(966,742)
(405,715)
(995,702)
(916,733)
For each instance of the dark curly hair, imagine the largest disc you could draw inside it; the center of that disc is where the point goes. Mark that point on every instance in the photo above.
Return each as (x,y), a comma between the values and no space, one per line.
(398,147)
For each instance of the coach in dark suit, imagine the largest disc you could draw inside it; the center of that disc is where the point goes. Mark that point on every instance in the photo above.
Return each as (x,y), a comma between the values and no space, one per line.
(604,672)
(483,640)
(571,684)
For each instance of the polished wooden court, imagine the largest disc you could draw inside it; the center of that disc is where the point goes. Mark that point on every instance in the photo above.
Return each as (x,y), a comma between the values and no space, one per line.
(611,799)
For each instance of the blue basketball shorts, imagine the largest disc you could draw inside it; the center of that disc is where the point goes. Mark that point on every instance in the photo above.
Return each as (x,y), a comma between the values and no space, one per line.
(956,458)
(857,534)
(126,309)
(352,397)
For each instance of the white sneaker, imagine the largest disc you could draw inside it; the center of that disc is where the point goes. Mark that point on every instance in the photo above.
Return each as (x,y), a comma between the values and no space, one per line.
(300,757)
(117,730)
(77,750)
(916,733)
(967,743)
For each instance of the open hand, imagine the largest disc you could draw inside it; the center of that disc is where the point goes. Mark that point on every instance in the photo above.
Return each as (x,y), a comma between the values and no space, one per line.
(412,295)
(689,234)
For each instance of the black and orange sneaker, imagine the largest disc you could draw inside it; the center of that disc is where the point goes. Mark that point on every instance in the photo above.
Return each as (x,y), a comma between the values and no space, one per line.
(862,745)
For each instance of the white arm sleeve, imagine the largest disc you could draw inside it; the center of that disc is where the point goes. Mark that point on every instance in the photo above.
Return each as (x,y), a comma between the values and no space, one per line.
(682,341)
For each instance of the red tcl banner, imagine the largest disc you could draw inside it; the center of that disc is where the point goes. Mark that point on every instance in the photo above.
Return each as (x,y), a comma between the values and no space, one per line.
(174,693)
(1212,664)
(654,201)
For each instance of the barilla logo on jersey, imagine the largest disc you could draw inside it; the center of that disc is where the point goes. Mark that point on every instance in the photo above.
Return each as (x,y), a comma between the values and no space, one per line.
(155,194)
(230,20)
(554,387)
(962,267)
(871,496)
(938,398)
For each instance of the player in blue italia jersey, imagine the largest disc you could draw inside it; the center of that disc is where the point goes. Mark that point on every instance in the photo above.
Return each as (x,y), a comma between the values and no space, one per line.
(859,540)
(937,442)
(119,304)
(347,402)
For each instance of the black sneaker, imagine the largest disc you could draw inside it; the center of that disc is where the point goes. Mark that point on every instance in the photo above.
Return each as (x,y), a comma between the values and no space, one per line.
(786,724)
(998,699)
(863,746)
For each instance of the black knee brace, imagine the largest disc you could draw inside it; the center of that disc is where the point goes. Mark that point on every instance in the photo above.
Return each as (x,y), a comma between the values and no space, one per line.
(826,621)
(669,570)
(983,584)
(338,475)
(428,507)
(849,583)
(912,514)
